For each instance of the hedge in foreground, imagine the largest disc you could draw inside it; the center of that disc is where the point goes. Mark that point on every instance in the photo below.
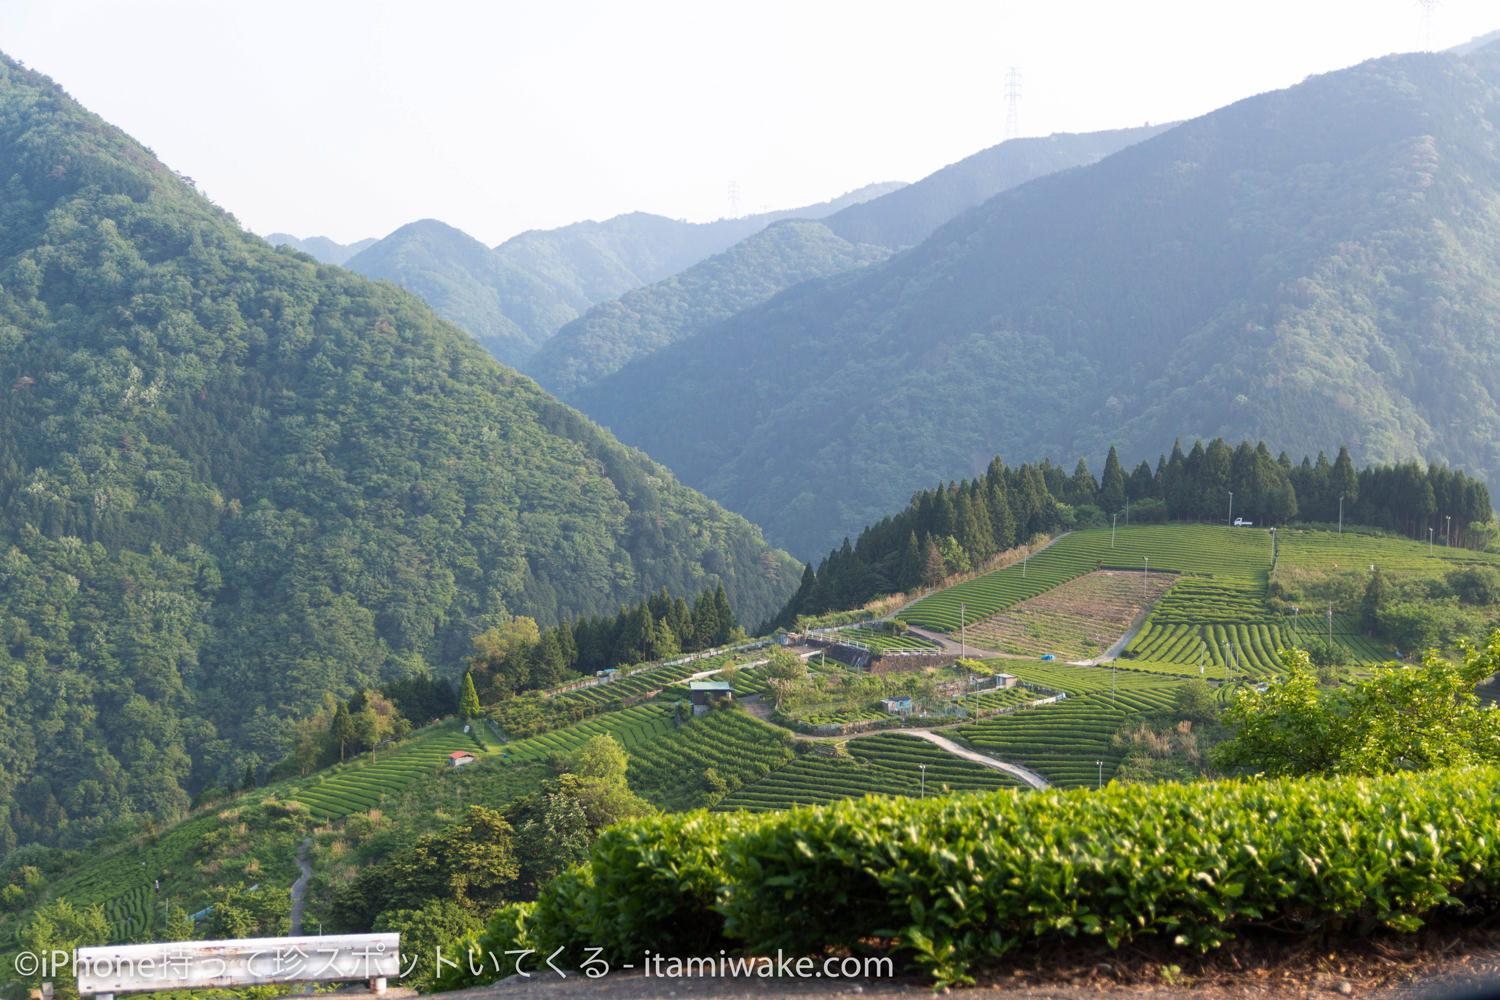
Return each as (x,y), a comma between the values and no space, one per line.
(950,885)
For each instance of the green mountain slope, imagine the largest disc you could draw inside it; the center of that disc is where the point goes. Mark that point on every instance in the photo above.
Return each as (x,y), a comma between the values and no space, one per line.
(1313,265)
(612,334)
(615,333)
(514,297)
(908,216)
(232,479)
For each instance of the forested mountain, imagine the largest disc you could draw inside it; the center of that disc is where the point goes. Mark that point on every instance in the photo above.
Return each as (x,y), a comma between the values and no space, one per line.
(321,247)
(1316,264)
(908,216)
(612,334)
(233,479)
(514,297)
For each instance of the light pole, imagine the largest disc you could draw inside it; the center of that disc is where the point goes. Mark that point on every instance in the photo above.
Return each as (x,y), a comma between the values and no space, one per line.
(923,769)
(1429,540)
(1111,683)
(1112,519)
(1145,573)
(1341,513)
(1447,530)
(1230,521)
(962,633)
(1101,774)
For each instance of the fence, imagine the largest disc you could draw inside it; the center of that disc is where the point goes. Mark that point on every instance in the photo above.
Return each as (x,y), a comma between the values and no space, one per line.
(187,965)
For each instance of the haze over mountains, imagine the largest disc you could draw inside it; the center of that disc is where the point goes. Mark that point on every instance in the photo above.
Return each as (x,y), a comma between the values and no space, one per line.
(1311,265)
(513,297)
(233,480)
(641,321)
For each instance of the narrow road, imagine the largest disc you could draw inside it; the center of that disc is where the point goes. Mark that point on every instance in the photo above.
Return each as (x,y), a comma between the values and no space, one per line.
(299,888)
(1026,774)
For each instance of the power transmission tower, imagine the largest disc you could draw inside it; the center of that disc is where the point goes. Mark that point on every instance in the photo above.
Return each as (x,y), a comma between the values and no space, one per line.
(1013,103)
(734,199)
(1428,8)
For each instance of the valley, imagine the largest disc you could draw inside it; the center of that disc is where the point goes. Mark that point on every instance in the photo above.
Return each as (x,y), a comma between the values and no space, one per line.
(337,593)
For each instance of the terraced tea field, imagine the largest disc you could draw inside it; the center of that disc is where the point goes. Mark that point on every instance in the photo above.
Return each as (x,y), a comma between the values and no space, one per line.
(990,701)
(1224,626)
(1308,552)
(1200,549)
(669,771)
(1076,620)
(361,785)
(1065,741)
(880,764)
(879,641)
(631,728)
(640,684)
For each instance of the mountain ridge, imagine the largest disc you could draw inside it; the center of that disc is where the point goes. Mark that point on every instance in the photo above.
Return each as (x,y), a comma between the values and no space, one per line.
(234,480)
(1222,278)
(612,333)
(516,295)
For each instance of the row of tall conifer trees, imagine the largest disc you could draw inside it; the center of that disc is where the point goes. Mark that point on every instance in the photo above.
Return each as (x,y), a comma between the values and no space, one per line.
(956,527)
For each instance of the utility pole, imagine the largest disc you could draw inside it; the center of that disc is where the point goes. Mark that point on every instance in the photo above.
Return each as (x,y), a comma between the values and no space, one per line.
(923,769)
(1012,103)
(963,649)
(1112,519)
(1341,513)
(1145,574)
(1230,521)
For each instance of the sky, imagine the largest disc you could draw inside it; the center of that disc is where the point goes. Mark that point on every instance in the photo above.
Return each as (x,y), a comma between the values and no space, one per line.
(350,118)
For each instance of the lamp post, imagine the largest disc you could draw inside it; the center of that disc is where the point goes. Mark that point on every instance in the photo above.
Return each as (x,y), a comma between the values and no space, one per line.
(1145,573)
(1341,513)
(1447,530)
(923,769)
(1230,521)
(1112,519)
(962,633)
(1429,540)
(1101,773)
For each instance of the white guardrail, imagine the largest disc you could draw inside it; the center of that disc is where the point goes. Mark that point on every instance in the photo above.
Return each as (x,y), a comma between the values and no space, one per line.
(185,965)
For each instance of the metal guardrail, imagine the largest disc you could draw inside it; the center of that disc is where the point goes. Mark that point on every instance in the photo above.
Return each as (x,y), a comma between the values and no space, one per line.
(185,965)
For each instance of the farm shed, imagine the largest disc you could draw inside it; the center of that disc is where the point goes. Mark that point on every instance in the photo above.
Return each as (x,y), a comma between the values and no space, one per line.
(898,705)
(705,693)
(459,758)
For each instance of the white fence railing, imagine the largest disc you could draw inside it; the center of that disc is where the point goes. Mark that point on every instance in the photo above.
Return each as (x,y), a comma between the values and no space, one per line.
(186,965)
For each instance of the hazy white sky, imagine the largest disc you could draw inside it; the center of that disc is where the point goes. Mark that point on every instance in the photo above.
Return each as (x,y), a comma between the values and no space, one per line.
(349,118)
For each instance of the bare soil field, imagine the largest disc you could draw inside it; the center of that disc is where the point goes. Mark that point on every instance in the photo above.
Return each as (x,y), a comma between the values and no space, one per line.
(1077,620)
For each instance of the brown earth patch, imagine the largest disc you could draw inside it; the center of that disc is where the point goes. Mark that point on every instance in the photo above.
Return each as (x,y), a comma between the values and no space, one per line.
(1078,620)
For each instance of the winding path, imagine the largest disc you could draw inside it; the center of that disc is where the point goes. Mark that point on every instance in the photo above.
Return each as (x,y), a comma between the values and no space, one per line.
(299,887)
(1025,774)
